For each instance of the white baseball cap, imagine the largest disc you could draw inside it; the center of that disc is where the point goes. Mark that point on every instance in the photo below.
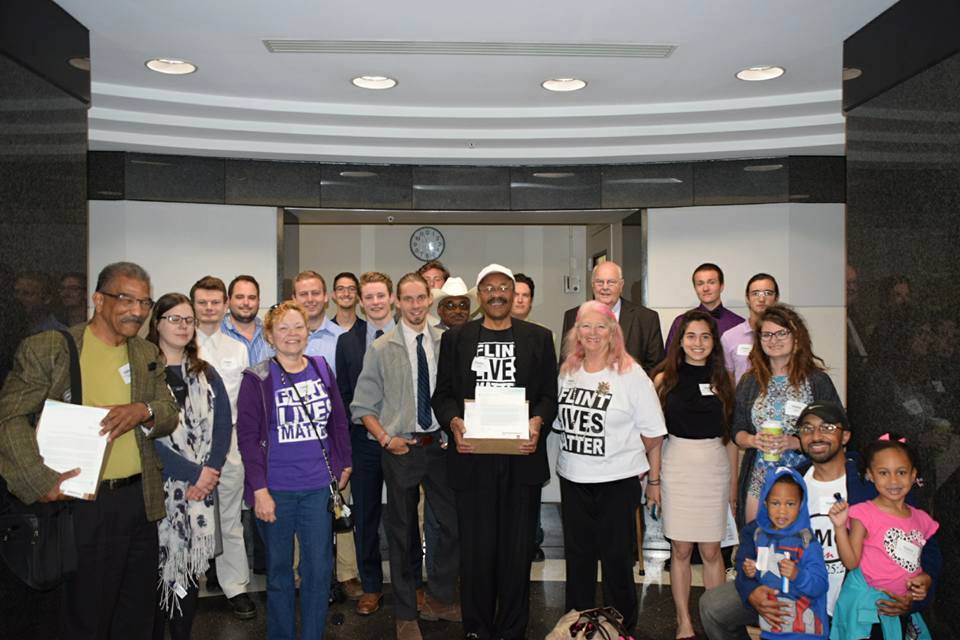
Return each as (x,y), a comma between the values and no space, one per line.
(494,268)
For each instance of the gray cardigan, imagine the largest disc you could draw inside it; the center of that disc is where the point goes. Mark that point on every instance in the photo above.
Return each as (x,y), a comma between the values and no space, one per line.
(748,390)
(385,388)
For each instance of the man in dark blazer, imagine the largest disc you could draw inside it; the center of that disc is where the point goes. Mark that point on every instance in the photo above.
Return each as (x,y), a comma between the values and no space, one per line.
(497,496)
(113,592)
(641,326)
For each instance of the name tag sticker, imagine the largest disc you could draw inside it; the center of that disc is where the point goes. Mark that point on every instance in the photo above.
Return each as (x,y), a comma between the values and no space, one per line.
(480,365)
(908,551)
(179,590)
(125,373)
(744,349)
(569,383)
(228,363)
(938,386)
(705,389)
(794,408)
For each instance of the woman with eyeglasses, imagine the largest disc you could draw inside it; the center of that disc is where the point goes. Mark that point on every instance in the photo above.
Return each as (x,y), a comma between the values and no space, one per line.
(293,438)
(192,457)
(784,377)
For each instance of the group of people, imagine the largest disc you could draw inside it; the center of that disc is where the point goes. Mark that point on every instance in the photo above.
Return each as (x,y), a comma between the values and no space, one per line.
(218,408)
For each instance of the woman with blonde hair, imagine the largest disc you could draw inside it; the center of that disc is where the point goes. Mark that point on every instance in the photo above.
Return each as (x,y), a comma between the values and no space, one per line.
(610,427)
(784,377)
(293,438)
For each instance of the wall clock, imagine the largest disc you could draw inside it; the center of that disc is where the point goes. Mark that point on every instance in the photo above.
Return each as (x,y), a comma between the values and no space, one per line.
(427,243)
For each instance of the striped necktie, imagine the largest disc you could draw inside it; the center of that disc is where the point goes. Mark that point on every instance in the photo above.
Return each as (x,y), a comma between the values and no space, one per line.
(424,419)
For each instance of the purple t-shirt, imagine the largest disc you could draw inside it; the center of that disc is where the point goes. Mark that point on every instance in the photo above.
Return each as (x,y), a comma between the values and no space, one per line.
(295,461)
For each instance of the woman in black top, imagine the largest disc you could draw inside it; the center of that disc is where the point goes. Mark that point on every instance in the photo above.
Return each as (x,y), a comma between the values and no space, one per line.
(699,460)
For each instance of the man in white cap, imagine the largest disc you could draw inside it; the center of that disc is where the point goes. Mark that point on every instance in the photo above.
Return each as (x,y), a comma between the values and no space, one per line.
(454,303)
(497,496)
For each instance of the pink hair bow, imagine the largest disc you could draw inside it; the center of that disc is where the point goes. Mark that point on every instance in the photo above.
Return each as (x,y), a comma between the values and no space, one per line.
(886,438)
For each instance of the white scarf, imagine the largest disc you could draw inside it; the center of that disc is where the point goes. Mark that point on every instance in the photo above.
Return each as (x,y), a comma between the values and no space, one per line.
(188,535)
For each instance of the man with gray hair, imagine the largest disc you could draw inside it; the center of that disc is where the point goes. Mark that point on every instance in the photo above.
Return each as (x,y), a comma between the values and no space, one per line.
(641,326)
(113,592)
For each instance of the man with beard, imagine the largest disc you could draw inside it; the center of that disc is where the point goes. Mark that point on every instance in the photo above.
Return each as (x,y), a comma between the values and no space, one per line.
(454,303)
(497,496)
(346,294)
(113,592)
(824,432)
(243,298)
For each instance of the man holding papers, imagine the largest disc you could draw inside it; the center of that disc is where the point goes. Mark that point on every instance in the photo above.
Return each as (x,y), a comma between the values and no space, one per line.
(392,399)
(113,592)
(497,495)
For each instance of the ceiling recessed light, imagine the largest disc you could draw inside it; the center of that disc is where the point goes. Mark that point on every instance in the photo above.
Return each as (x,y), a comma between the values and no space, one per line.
(358,174)
(171,66)
(763,167)
(851,73)
(753,74)
(80,62)
(374,82)
(563,84)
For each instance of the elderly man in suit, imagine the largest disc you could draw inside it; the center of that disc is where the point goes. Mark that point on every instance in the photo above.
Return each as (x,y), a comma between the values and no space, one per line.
(497,496)
(641,326)
(113,592)
(392,399)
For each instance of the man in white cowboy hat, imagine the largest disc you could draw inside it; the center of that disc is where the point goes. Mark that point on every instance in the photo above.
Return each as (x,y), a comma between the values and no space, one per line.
(454,303)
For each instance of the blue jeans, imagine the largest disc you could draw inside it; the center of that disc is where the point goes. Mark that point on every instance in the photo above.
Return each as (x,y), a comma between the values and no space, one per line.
(304,513)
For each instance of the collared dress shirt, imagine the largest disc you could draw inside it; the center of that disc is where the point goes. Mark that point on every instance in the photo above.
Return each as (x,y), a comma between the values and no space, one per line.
(725,318)
(258,349)
(410,339)
(737,344)
(323,342)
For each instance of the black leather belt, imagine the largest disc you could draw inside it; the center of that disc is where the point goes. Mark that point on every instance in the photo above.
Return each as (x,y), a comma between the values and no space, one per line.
(117,483)
(423,439)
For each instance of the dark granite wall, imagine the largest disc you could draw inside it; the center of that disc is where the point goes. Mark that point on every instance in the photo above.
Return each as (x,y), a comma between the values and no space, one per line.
(903,230)
(43,202)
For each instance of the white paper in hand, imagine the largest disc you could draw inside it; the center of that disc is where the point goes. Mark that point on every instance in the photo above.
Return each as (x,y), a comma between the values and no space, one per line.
(68,436)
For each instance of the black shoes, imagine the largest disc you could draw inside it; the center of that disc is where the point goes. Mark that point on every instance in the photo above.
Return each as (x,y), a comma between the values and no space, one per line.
(538,555)
(243,606)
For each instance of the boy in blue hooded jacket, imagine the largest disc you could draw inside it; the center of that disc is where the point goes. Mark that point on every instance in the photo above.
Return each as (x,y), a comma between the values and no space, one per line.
(781,552)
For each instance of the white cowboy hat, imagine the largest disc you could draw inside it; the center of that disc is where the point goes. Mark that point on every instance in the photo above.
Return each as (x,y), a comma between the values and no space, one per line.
(453,288)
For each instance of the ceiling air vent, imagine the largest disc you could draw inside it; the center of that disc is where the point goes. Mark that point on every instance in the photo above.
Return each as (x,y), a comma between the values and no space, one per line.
(399,47)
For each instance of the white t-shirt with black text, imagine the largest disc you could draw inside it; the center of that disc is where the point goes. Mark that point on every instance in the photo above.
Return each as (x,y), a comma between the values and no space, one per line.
(600,420)
(820,497)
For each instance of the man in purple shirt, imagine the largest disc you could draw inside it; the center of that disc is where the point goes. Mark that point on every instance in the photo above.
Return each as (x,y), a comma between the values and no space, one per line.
(708,284)
(762,291)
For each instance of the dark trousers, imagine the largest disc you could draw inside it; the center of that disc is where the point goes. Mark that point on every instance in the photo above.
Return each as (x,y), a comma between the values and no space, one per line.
(497,527)
(366,486)
(403,475)
(598,525)
(181,621)
(112,596)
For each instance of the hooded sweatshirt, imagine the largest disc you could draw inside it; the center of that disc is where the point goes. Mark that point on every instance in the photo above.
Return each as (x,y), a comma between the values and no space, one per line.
(806,617)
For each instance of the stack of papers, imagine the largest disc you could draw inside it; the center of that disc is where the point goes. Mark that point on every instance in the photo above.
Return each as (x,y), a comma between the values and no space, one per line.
(68,436)
(497,419)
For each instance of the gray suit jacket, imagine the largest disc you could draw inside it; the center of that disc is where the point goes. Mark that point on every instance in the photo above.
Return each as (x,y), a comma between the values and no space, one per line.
(386,388)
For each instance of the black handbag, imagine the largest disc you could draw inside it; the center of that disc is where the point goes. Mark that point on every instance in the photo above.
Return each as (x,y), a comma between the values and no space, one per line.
(37,540)
(342,515)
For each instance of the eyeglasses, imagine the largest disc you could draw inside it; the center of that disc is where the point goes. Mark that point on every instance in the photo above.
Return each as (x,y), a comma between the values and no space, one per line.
(609,283)
(175,319)
(450,306)
(763,293)
(824,427)
(345,289)
(767,336)
(489,288)
(128,301)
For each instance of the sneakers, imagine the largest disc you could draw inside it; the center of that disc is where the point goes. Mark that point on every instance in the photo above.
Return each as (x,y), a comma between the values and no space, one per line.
(408,630)
(433,611)
(243,606)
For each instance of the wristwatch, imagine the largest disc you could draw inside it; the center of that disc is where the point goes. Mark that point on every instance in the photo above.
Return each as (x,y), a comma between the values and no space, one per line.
(149,412)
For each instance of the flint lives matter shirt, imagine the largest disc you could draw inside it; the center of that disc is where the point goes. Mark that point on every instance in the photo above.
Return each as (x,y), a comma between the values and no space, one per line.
(295,461)
(601,418)
(496,363)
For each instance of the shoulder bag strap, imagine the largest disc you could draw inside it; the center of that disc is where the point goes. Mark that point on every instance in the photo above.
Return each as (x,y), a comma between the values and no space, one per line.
(76,386)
